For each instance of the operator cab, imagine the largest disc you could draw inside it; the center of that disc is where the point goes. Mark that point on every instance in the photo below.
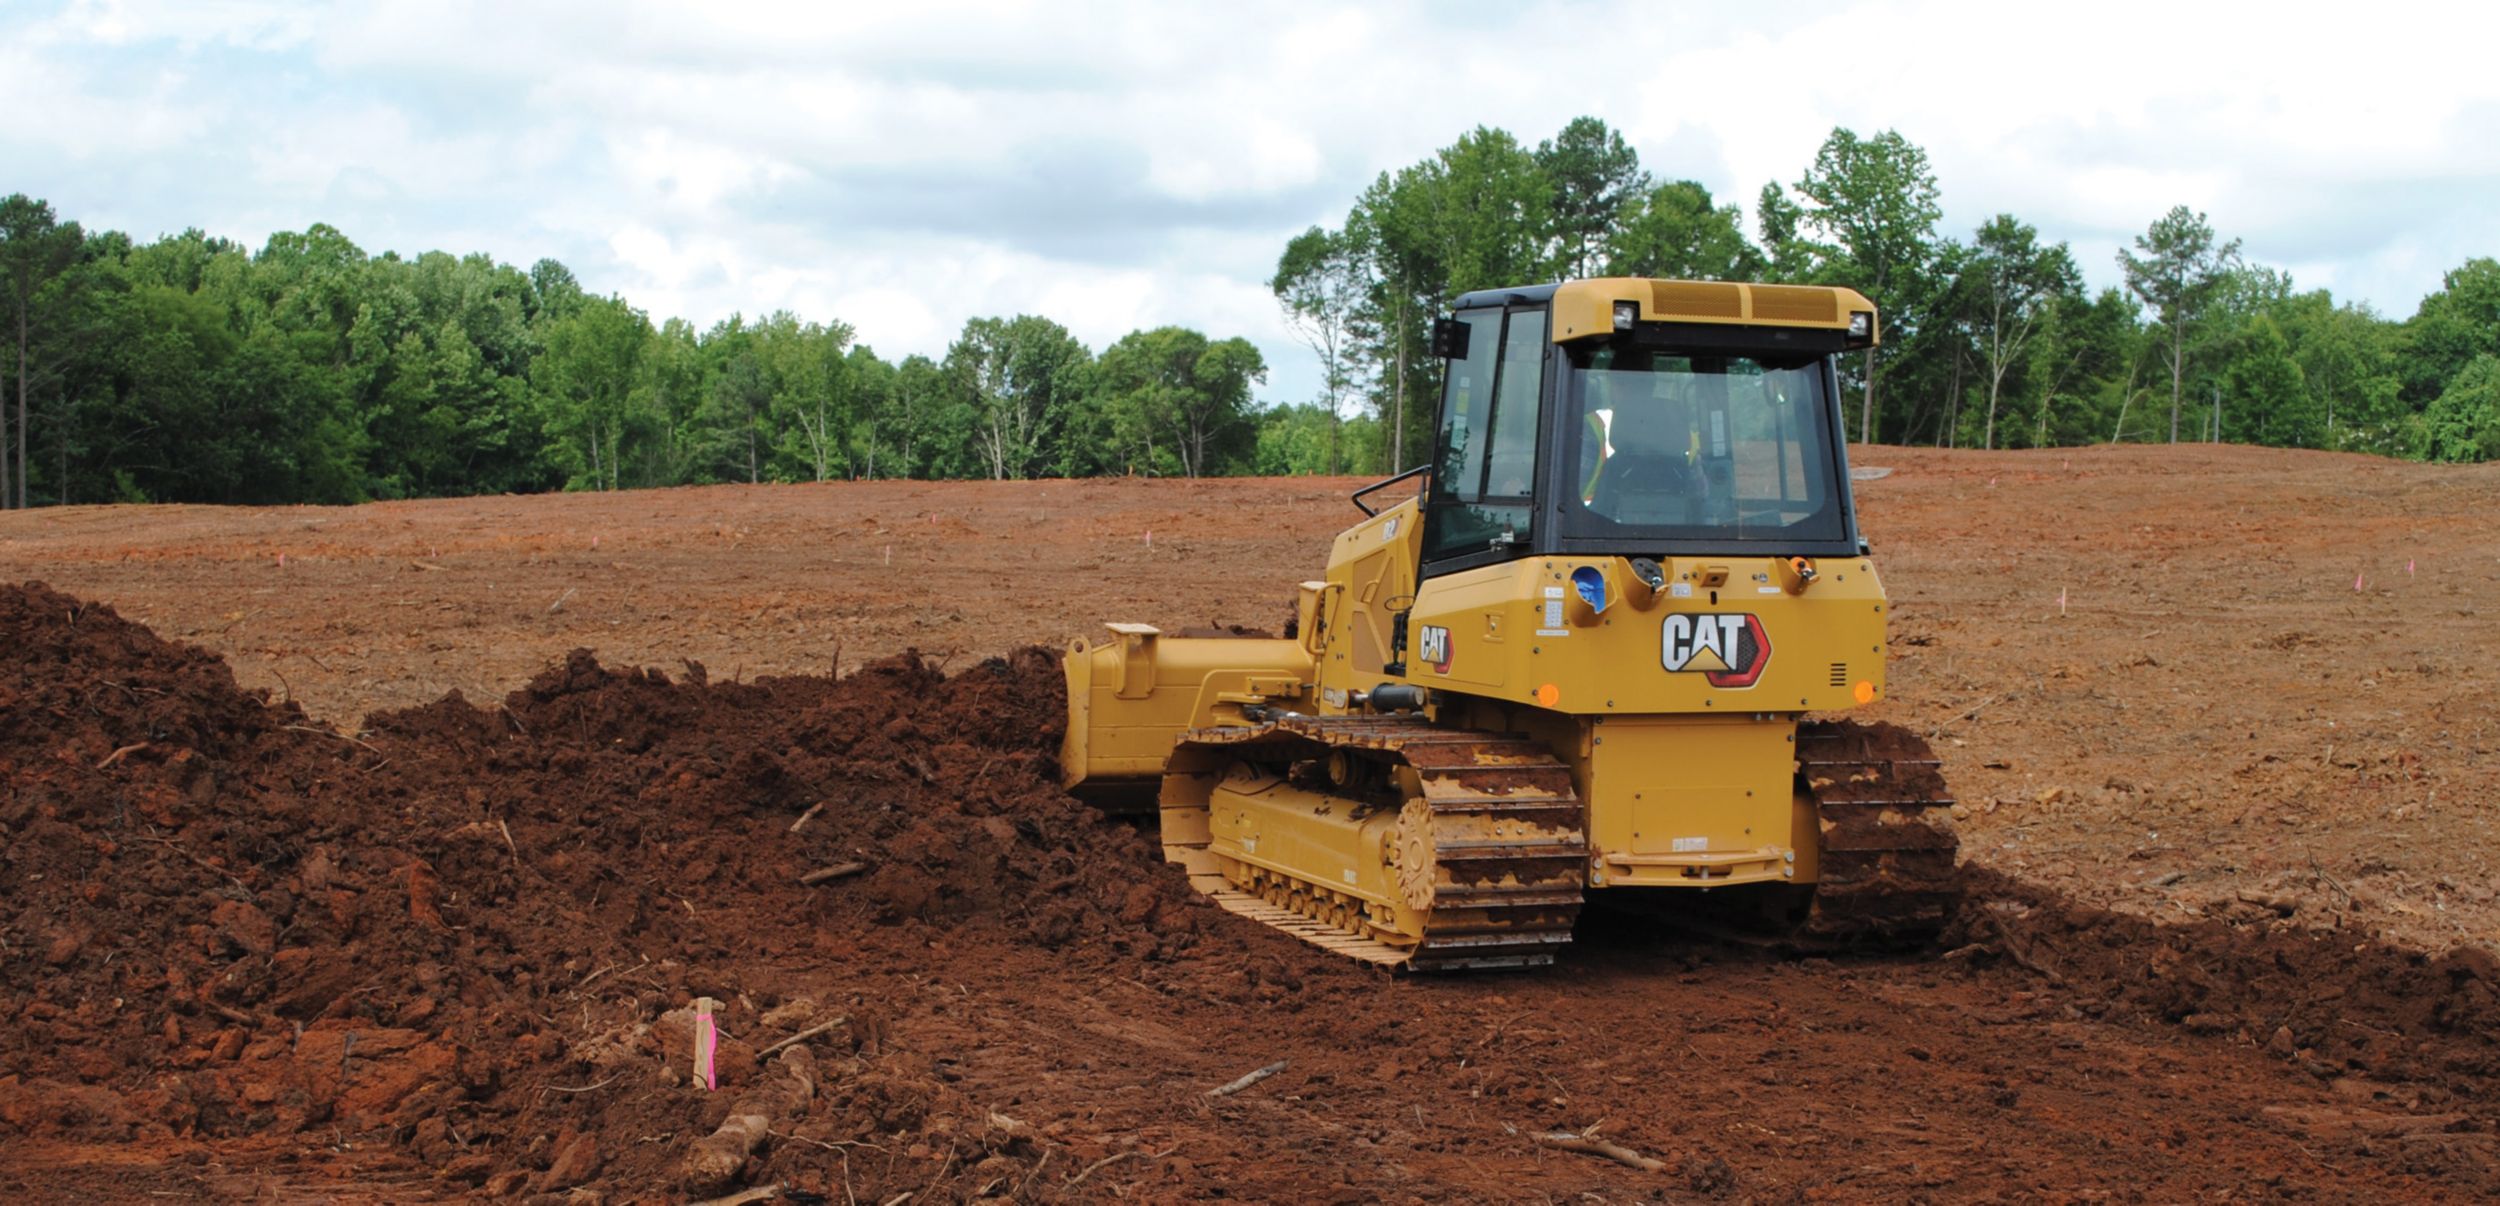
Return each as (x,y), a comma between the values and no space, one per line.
(1642,418)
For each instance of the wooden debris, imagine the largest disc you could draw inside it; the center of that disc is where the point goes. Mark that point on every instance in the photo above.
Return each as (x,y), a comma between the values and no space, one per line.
(714,1162)
(2013,950)
(836,871)
(1590,1145)
(1248,1079)
(805,817)
(803,1036)
(1115,1158)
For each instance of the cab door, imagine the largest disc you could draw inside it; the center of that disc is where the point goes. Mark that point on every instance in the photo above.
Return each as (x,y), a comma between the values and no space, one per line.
(1482,505)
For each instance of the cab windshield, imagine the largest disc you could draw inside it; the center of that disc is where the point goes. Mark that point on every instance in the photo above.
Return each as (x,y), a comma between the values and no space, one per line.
(1673,445)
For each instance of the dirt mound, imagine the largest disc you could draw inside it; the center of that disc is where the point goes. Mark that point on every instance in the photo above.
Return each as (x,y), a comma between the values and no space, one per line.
(458,950)
(2336,1000)
(479,929)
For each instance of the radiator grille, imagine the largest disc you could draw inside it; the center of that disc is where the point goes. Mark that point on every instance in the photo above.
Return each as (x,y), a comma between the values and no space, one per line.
(1782,303)
(1840,674)
(1696,299)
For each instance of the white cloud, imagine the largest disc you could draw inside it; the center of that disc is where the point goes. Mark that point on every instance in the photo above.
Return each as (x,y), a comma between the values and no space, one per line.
(903,168)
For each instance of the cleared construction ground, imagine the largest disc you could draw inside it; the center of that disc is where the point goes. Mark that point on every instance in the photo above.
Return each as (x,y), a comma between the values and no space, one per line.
(2219,719)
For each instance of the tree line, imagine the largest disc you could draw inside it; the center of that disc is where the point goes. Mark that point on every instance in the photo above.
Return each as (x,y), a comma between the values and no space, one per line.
(1990,339)
(195,369)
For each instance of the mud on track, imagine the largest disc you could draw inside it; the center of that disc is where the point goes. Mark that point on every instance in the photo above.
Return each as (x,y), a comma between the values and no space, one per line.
(449,953)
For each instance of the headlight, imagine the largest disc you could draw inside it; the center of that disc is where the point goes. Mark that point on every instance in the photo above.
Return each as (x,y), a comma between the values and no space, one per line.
(1861,324)
(1626,313)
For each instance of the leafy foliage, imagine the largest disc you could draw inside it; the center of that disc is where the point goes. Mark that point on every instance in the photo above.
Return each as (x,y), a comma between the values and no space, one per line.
(193,368)
(2463,423)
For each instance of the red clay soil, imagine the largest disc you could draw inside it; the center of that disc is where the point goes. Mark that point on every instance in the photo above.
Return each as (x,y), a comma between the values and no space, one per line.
(2148,669)
(453,954)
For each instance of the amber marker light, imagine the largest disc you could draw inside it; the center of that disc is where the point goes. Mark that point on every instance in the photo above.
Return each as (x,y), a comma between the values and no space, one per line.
(1548,695)
(1865,691)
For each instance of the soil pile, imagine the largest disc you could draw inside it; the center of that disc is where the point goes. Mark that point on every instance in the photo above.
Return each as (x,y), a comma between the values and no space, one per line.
(457,952)
(446,926)
(2336,1000)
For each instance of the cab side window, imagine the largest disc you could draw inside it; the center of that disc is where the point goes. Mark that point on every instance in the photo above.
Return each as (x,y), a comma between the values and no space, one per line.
(1485,474)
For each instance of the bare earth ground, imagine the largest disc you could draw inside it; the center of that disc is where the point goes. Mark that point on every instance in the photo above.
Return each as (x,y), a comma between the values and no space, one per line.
(2206,686)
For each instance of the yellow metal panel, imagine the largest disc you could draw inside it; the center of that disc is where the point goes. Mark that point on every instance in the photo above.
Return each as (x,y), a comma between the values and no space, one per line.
(1824,638)
(1799,304)
(1372,570)
(1692,801)
(1476,648)
(1267,823)
(1586,308)
(1696,299)
(1130,696)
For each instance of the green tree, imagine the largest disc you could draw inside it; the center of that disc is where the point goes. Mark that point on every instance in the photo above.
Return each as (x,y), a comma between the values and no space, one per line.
(931,422)
(1593,177)
(37,252)
(163,417)
(1320,282)
(554,291)
(436,362)
(871,385)
(2463,422)
(280,428)
(2265,399)
(586,381)
(1019,377)
(1473,216)
(2177,269)
(2347,357)
(1172,387)
(1673,230)
(737,398)
(811,391)
(1787,255)
(1872,205)
(1386,225)
(2452,327)
(2009,284)
(311,283)
(676,380)
(2086,351)
(1297,440)
(87,313)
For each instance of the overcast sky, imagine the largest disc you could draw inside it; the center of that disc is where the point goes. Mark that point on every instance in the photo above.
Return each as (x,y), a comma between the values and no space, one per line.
(904,167)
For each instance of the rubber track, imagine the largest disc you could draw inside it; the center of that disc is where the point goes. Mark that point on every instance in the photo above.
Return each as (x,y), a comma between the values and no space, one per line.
(1510,842)
(1887,873)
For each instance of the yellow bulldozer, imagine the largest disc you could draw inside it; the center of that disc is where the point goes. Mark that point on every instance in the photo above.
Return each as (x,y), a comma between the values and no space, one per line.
(1581,656)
